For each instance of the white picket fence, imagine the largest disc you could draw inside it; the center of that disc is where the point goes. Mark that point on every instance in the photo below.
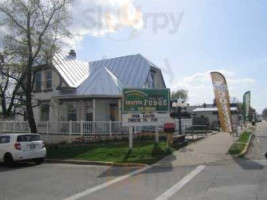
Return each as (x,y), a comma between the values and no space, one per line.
(81,127)
(14,126)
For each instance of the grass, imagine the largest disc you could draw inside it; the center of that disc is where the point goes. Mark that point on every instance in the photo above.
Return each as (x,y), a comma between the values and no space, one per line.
(240,144)
(143,152)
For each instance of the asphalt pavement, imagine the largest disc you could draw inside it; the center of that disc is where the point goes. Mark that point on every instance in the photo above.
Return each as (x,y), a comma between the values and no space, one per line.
(258,146)
(244,179)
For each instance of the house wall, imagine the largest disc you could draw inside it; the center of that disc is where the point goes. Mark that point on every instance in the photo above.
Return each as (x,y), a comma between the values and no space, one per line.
(158,79)
(46,96)
(159,82)
(102,109)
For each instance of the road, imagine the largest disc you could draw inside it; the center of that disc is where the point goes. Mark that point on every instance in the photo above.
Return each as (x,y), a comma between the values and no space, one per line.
(244,179)
(259,142)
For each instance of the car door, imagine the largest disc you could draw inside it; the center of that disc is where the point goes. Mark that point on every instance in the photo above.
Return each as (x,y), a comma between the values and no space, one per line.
(4,144)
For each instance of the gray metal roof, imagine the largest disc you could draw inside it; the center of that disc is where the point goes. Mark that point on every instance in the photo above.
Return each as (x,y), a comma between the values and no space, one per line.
(100,82)
(104,77)
(131,70)
(72,70)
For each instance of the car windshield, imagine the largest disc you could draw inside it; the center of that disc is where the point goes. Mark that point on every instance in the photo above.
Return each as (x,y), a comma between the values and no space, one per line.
(28,138)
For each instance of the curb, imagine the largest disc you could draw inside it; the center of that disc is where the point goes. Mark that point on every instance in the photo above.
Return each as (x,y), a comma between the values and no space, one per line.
(246,147)
(84,162)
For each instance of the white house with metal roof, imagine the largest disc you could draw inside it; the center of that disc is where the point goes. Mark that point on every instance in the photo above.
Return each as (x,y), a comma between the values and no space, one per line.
(71,89)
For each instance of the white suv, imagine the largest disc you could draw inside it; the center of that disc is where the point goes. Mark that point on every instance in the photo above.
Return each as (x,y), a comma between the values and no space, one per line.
(17,147)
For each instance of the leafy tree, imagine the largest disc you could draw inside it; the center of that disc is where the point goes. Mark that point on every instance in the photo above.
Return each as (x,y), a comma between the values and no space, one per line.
(34,28)
(180,94)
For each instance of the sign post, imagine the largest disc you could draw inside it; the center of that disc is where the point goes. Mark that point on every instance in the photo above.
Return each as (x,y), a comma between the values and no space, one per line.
(145,107)
(169,129)
(130,138)
(157,135)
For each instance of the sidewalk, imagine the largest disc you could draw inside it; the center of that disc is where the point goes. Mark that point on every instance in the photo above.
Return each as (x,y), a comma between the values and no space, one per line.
(212,149)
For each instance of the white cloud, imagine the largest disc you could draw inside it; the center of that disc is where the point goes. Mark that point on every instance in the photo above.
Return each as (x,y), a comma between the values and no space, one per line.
(99,17)
(200,89)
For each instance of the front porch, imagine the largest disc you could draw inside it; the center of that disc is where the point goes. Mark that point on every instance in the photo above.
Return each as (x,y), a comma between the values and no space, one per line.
(98,109)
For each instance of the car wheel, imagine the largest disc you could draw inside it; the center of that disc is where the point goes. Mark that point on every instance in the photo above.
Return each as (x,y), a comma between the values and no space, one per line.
(8,159)
(39,161)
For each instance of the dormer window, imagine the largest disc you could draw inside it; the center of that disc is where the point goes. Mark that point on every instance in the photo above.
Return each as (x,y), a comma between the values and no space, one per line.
(151,79)
(48,79)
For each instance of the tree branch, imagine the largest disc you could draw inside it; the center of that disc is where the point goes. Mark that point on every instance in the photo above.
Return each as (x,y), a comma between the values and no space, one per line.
(8,13)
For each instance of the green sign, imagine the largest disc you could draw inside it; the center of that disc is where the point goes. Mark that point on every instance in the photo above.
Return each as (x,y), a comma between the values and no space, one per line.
(247,105)
(146,100)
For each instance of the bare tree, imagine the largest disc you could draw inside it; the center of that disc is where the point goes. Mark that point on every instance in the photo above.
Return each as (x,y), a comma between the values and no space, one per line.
(8,87)
(34,28)
(180,94)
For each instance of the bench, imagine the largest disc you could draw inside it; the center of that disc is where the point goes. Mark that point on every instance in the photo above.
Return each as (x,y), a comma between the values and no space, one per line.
(179,140)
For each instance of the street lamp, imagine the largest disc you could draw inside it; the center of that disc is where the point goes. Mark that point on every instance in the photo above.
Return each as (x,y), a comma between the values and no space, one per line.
(180,104)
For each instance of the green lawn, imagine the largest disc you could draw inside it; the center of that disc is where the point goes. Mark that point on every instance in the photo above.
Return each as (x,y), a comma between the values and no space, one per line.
(240,144)
(143,152)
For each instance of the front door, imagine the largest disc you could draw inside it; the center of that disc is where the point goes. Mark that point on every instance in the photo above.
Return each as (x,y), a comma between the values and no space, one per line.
(113,112)
(89,117)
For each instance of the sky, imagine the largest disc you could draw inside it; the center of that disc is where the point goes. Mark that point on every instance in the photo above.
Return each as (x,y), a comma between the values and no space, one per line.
(187,39)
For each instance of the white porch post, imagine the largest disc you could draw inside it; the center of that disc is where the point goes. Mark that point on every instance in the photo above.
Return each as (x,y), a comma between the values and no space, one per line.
(94,115)
(81,128)
(94,106)
(119,110)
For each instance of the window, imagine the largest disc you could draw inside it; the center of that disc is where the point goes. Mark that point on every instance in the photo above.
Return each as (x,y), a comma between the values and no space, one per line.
(38,81)
(113,108)
(48,79)
(72,112)
(152,79)
(45,112)
(4,139)
(28,138)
